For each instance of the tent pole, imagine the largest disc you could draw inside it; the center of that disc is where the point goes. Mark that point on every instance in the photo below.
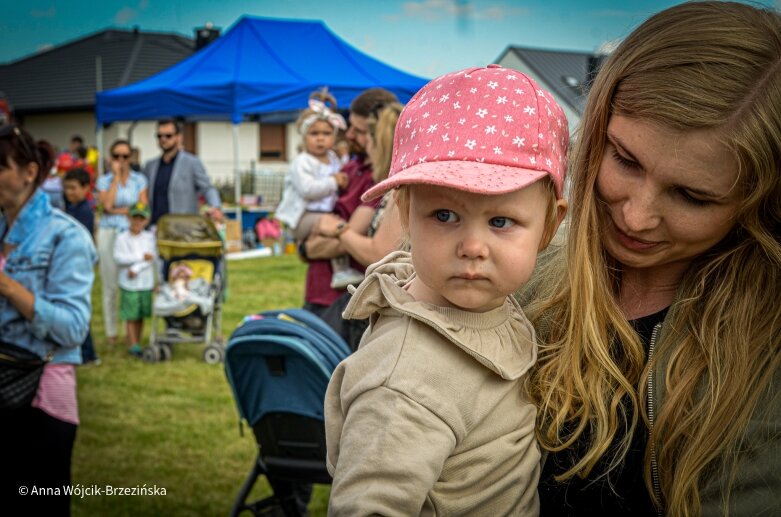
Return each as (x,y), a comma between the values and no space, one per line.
(99,144)
(237,176)
(99,132)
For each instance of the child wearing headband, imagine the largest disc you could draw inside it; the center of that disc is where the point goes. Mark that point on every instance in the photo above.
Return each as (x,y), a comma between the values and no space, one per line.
(314,179)
(429,416)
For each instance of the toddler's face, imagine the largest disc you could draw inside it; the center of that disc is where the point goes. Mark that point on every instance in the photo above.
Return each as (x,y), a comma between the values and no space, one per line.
(471,251)
(319,138)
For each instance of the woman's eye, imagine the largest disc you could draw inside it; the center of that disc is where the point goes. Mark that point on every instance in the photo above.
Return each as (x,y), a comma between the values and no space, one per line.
(445,216)
(624,162)
(691,199)
(501,222)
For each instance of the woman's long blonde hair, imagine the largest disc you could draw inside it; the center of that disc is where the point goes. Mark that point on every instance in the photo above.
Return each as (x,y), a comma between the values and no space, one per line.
(693,66)
(381,129)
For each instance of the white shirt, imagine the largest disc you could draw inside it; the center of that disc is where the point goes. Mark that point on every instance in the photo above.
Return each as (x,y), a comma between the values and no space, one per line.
(129,250)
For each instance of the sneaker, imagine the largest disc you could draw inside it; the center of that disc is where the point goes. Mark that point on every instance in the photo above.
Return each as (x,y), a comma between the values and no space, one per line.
(92,362)
(341,279)
(135,350)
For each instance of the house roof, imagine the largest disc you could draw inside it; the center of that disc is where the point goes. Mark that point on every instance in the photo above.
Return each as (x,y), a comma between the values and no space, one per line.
(64,78)
(567,74)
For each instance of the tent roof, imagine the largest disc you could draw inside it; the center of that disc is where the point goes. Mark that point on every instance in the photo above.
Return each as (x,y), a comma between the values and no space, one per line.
(260,65)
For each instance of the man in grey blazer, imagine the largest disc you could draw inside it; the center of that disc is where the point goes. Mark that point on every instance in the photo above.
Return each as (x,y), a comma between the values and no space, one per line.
(177,177)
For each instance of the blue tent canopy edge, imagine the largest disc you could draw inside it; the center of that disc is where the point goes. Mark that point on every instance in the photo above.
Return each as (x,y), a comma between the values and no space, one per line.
(259,66)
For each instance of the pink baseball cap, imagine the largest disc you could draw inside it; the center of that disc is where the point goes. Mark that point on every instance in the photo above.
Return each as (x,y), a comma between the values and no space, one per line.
(485,130)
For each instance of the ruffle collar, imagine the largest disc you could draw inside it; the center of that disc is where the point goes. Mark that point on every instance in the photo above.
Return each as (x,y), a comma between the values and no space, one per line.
(501,339)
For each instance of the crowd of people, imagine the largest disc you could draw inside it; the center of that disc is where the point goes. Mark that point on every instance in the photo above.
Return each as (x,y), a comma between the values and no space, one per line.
(507,361)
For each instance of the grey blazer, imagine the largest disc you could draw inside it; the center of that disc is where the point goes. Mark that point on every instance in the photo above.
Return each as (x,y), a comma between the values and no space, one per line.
(188,179)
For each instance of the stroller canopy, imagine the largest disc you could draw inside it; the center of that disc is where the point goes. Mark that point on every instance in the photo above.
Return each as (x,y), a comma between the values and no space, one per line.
(281,361)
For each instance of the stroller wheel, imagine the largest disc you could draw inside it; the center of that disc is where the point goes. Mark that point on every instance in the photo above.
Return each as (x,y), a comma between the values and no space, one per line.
(165,352)
(213,354)
(151,354)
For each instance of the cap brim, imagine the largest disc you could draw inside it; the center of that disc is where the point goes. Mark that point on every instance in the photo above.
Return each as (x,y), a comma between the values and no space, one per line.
(469,176)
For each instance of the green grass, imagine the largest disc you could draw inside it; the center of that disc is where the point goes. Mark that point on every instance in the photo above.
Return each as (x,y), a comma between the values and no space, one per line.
(174,424)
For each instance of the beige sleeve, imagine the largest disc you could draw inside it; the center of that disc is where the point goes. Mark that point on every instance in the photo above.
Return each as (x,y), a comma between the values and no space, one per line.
(390,453)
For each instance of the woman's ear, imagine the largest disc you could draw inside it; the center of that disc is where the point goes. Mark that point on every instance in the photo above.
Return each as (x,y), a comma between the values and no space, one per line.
(30,173)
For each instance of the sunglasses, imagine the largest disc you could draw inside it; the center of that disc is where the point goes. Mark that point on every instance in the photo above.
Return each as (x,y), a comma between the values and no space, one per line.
(165,135)
(12,130)
(117,156)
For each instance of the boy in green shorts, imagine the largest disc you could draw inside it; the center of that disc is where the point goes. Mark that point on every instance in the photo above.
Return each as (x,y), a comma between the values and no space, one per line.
(134,253)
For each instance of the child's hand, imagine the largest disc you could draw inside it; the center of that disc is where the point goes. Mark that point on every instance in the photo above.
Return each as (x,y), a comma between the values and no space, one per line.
(131,273)
(148,257)
(342,179)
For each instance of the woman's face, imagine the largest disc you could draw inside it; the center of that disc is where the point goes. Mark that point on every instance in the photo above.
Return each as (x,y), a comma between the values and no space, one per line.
(120,157)
(16,184)
(668,195)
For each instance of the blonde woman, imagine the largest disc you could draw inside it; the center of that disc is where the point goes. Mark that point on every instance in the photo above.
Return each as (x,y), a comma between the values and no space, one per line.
(371,233)
(659,319)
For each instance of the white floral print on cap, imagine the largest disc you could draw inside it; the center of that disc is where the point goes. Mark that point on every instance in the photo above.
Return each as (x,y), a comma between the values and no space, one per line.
(485,130)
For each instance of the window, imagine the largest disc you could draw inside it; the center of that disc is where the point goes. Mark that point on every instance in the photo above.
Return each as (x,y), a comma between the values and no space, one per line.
(273,142)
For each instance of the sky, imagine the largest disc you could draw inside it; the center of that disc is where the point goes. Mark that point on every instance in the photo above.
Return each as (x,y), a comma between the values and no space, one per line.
(423,37)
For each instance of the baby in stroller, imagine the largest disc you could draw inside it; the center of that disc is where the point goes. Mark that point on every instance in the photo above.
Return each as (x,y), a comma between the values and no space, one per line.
(183,290)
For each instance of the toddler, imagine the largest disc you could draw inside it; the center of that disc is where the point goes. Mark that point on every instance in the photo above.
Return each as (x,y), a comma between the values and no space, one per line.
(314,179)
(429,415)
(134,253)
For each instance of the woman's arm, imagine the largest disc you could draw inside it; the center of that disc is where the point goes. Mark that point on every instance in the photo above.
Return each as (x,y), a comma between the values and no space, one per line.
(143,196)
(18,296)
(321,245)
(353,241)
(108,195)
(61,311)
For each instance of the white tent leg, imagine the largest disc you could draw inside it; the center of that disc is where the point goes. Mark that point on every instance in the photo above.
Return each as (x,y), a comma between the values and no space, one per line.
(99,145)
(237,175)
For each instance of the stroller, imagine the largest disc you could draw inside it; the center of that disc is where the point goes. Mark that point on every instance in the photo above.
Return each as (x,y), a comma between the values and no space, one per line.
(278,364)
(190,243)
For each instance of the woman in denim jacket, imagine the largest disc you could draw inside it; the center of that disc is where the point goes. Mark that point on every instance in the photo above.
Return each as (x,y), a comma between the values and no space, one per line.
(46,275)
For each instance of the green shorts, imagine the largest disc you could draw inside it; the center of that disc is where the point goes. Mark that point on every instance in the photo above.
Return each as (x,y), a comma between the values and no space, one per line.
(134,305)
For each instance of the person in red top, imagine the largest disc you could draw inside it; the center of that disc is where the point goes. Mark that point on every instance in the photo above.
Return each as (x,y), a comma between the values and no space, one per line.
(318,295)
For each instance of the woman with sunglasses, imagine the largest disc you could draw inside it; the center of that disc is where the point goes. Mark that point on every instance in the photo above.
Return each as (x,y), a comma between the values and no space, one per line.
(46,275)
(118,190)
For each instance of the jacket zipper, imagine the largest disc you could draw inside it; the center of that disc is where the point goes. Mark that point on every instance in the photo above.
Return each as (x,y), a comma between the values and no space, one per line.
(654,467)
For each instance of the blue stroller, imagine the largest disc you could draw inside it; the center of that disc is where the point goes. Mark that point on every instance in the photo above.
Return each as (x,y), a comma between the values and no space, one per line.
(278,364)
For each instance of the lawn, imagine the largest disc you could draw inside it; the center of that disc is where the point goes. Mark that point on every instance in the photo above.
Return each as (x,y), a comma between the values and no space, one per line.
(174,424)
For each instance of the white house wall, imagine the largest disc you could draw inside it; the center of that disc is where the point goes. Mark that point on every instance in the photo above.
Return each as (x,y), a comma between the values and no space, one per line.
(214,141)
(59,128)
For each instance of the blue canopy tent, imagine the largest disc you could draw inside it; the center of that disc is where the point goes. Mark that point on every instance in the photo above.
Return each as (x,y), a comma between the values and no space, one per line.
(259,66)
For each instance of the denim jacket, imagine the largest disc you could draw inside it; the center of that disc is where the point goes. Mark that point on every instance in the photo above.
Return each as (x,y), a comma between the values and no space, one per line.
(53,257)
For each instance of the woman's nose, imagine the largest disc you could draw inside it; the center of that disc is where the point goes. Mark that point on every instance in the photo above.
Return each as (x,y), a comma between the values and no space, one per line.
(641,210)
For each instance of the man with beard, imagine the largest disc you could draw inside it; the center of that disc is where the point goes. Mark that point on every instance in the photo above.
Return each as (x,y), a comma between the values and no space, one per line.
(177,177)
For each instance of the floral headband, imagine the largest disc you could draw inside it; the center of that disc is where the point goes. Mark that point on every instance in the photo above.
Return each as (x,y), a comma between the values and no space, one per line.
(321,112)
